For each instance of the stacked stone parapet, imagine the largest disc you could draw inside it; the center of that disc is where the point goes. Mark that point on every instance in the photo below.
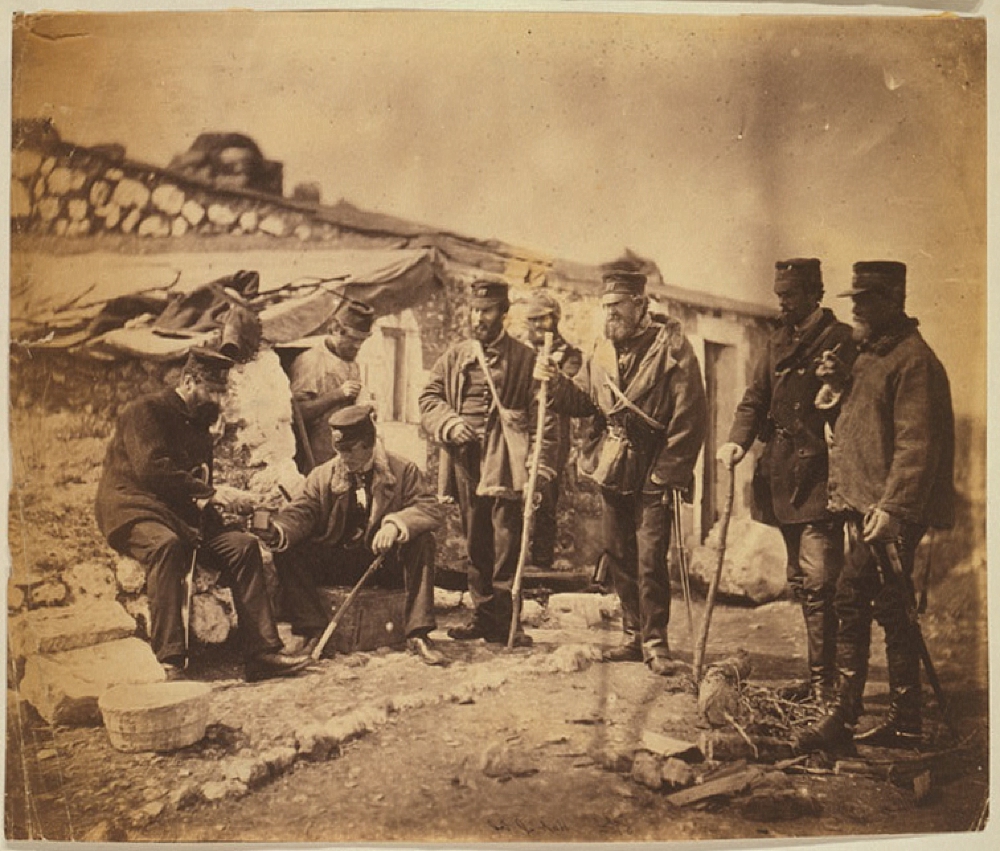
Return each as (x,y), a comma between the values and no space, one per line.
(70,191)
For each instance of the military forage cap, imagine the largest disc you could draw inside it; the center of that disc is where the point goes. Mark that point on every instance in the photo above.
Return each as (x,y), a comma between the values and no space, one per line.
(209,367)
(620,283)
(351,424)
(489,293)
(540,304)
(355,319)
(880,275)
(803,271)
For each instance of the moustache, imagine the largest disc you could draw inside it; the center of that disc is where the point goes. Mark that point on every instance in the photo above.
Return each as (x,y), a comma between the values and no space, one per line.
(207,412)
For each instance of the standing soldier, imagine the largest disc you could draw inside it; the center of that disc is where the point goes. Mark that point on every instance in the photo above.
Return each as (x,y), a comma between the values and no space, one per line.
(327,377)
(891,469)
(645,384)
(477,406)
(542,314)
(789,483)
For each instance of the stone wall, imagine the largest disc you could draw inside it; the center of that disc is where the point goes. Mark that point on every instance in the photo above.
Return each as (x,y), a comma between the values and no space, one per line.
(65,190)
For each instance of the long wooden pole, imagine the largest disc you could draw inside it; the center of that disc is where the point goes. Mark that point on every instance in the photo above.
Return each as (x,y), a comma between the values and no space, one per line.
(330,627)
(699,654)
(529,500)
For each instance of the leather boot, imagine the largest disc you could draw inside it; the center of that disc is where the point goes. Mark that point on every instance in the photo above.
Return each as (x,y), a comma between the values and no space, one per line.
(902,727)
(834,732)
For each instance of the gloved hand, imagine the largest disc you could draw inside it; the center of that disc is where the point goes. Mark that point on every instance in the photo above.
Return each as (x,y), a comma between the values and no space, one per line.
(730,454)
(881,526)
(462,432)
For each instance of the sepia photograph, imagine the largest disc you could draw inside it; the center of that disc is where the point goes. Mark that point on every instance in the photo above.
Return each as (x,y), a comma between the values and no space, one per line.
(473,425)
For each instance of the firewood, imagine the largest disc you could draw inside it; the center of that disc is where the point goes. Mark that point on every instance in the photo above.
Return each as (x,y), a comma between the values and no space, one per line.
(723,786)
(724,746)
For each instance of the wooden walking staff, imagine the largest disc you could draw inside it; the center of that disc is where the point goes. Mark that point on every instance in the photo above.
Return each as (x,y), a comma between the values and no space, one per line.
(699,653)
(330,627)
(529,500)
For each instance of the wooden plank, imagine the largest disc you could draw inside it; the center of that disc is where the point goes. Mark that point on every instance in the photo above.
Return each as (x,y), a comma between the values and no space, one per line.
(723,786)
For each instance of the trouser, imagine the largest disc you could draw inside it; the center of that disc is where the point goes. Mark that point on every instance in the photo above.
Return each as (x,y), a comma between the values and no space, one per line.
(815,554)
(636,538)
(492,528)
(302,569)
(545,528)
(863,594)
(167,559)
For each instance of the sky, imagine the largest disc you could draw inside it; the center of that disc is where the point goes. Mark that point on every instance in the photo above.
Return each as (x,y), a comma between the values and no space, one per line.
(712,144)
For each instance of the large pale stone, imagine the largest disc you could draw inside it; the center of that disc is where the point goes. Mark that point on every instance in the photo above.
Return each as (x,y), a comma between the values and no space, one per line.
(61,226)
(130,574)
(91,579)
(220,214)
(114,174)
(303,232)
(24,163)
(111,213)
(48,208)
(193,212)
(77,209)
(63,180)
(179,226)
(130,221)
(38,190)
(131,193)
(273,225)
(100,192)
(78,228)
(20,200)
(64,687)
(169,199)
(212,618)
(754,565)
(62,628)
(154,225)
(248,221)
(259,401)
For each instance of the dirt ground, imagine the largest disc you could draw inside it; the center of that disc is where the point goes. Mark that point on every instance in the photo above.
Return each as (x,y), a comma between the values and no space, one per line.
(498,746)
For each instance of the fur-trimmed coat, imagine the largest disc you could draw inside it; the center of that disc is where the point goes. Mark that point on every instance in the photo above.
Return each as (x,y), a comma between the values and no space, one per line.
(667,387)
(320,513)
(506,446)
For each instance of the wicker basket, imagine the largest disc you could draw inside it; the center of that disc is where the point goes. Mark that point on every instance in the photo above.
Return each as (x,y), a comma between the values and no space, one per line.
(155,716)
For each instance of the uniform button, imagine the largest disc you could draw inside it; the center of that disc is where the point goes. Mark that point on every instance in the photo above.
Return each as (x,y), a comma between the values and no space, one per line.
(797,405)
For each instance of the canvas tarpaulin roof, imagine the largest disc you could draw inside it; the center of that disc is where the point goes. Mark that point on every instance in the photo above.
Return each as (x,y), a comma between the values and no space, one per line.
(55,299)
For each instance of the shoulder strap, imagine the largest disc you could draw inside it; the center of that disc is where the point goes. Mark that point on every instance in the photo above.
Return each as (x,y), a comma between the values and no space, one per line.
(635,409)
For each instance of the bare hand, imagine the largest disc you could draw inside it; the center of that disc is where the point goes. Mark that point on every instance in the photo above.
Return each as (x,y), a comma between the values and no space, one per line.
(881,526)
(463,433)
(385,538)
(202,504)
(730,454)
(545,369)
(350,389)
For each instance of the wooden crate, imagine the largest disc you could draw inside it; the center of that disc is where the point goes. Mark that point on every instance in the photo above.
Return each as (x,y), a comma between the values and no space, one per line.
(366,624)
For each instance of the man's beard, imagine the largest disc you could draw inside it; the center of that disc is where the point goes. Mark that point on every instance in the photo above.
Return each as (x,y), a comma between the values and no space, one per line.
(862,331)
(206,413)
(485,333)
(617,330)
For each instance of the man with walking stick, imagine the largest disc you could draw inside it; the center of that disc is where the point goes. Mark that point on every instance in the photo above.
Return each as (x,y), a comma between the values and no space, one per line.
(479,406)
(644,383)
(891,471)
(364,504)
(155,504)
(789,482)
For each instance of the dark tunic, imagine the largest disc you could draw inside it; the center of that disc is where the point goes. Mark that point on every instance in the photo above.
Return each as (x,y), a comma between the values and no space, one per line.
(150,466)
(778,409)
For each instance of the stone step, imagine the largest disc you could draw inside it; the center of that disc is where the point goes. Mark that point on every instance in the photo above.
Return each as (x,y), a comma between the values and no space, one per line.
(64,687)
(61,628)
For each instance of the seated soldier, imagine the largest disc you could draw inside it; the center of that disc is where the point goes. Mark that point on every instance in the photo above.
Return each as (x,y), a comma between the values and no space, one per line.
(362,503)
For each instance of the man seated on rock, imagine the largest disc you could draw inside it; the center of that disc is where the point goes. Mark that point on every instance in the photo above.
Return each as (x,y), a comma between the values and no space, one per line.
(154,503)
(363,503)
